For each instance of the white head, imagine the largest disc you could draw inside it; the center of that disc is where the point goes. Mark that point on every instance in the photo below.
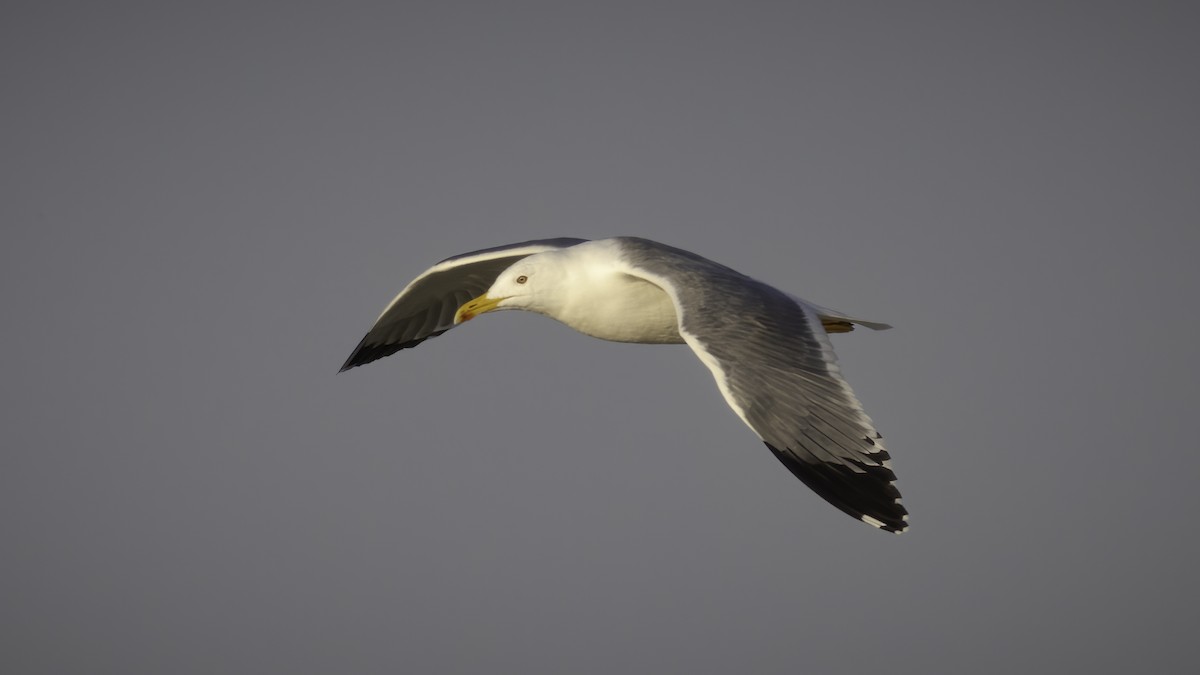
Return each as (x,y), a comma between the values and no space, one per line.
(536,284)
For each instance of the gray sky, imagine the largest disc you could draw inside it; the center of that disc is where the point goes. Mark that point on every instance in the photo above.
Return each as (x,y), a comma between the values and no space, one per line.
(205,207)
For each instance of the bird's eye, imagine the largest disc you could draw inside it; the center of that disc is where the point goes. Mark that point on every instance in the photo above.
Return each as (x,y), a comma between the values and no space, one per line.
(522,279)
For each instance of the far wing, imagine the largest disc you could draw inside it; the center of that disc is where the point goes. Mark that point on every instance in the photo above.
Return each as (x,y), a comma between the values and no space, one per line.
(425,308)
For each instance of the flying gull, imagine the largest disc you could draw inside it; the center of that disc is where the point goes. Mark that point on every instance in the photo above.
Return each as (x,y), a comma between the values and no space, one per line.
(768,351)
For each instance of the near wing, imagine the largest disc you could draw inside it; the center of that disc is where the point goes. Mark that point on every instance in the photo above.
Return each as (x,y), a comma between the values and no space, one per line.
(777,370)
(425,308)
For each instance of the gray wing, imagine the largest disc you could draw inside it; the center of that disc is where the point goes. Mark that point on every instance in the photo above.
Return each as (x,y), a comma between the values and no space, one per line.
(776,368)
(425,308)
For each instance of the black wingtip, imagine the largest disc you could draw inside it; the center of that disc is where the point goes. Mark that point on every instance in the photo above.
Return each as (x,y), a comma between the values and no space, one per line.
(867,494)
(366,353)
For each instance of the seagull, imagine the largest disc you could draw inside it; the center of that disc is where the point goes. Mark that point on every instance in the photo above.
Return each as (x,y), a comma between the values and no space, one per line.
(768,351)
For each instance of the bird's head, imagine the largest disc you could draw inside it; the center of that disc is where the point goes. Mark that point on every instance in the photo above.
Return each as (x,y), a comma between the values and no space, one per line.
(533,284)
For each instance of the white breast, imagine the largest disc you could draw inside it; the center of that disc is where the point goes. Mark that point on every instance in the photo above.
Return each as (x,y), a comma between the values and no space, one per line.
(615,306)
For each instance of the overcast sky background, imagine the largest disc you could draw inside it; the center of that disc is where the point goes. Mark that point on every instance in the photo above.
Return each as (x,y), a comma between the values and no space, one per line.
(206,205)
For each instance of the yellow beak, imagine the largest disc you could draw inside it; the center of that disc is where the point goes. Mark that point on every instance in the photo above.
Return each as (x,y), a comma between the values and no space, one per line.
(475,307)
